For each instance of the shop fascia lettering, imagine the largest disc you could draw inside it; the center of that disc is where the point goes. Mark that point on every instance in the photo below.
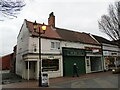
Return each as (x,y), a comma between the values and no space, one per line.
(50,57)
(92,50)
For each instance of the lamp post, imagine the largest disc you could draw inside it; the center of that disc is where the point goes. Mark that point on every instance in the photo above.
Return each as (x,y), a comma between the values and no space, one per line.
(39,28)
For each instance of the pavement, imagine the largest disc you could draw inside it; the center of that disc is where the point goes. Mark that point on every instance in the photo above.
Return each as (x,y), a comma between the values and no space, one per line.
(101,81)
(52,81)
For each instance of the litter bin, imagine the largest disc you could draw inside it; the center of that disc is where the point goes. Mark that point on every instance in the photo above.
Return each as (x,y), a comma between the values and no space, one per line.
(45,80)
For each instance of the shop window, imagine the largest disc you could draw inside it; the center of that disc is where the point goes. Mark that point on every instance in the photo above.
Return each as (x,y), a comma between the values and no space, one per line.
(50,65)
(55,45)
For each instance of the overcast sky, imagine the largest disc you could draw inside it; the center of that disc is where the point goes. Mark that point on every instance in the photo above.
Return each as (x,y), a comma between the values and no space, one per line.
(77,15)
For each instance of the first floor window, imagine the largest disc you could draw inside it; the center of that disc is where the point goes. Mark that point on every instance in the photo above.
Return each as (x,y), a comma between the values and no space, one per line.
(55,45)
(50,65)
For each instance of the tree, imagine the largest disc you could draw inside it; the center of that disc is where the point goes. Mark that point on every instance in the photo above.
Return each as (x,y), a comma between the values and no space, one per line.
(110,24)
(10,8)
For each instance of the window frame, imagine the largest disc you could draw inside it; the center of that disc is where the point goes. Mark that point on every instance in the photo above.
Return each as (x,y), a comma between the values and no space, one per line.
(55,45)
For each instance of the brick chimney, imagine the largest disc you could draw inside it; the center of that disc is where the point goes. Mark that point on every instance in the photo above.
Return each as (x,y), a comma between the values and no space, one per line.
(51,19)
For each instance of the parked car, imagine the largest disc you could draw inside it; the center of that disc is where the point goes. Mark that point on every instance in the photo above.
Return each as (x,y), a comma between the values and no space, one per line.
(115,71)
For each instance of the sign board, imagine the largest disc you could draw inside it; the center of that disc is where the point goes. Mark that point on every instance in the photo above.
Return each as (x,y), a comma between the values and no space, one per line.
(92,50)
(95,50)
(106,53)
(50,57)
(73,52)
(109,53)
(45,80)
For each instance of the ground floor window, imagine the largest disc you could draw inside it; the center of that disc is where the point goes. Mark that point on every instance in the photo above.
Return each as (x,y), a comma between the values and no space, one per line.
(96,63)
(50,65)
(112,62)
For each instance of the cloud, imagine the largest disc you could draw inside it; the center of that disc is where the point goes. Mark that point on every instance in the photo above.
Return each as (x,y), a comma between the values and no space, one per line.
(78,15)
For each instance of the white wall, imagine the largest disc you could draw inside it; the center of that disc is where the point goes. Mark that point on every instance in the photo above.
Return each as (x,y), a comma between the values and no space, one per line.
(22,47)
(110,47)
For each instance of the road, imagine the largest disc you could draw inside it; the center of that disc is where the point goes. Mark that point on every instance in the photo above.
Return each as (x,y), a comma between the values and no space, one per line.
(104,81)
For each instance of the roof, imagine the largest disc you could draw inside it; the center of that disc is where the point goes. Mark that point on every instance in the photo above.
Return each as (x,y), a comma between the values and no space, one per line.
(63,34)
(103,40)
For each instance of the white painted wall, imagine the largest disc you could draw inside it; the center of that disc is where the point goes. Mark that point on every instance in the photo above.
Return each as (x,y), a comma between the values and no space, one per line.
(46,49)
(110,47)
(26,43)
(22,48)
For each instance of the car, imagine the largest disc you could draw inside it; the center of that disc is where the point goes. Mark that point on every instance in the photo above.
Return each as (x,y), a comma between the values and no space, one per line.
(116,71)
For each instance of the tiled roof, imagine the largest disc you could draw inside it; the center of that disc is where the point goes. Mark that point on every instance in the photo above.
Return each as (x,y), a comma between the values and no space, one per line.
(75,36)
(49,32)
(63,34)
(103,40)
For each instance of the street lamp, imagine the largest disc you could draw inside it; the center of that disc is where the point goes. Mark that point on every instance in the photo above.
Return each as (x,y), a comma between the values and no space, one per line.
(43,28)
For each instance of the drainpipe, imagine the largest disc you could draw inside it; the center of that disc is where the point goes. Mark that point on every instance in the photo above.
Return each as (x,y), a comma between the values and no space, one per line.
(103,61)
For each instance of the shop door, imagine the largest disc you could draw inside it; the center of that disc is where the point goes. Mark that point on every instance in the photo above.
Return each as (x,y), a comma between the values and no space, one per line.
(68,62)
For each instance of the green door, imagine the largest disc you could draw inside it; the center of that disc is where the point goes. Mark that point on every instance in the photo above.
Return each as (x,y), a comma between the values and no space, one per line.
(68,62)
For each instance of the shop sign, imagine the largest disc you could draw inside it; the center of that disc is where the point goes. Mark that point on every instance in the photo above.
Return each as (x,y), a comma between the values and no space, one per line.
(74,52)
(106,53)
(114,54)
(93,50)
(45,80)
(50,57)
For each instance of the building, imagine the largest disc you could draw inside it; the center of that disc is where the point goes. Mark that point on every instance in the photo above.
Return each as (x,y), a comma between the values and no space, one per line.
(60,49)
(13,59)
(111,53)
(6,61)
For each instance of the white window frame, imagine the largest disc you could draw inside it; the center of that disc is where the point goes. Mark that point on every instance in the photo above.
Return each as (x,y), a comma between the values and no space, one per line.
(55,45)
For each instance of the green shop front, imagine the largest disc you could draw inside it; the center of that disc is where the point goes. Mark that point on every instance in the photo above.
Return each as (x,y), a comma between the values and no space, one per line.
(71,56)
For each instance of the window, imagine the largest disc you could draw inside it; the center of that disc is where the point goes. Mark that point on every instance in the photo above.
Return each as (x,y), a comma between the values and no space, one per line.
(55,45)
(50,65)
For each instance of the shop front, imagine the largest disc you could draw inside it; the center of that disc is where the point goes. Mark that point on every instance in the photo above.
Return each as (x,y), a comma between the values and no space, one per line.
(94,62)
(50,64)
(71,56)
(112,60)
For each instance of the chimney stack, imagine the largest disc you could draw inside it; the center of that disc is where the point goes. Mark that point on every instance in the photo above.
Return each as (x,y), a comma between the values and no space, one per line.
(51,19)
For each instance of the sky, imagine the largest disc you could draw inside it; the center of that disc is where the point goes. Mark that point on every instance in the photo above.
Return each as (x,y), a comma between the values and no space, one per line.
(76,15)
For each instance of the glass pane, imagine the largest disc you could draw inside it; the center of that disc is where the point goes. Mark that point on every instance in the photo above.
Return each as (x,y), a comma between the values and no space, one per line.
(50,65)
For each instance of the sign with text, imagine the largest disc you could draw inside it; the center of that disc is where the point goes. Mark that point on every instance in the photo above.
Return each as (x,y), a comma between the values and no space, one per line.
(92,50)
(45,80)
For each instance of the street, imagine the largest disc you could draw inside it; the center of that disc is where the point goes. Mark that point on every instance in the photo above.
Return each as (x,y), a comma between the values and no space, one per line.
(104,81)
(93,80)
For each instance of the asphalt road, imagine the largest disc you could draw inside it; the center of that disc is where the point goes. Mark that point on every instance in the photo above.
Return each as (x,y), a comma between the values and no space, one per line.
(104,81)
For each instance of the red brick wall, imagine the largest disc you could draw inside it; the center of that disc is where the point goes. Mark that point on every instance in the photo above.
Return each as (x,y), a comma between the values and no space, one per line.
(6,62)
(51,20)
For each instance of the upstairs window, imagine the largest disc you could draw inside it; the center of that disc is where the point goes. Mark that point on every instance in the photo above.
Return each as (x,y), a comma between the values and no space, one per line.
(55,45)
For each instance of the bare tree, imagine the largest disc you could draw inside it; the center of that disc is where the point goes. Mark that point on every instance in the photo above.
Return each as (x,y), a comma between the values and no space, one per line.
(110,24)
(10,8)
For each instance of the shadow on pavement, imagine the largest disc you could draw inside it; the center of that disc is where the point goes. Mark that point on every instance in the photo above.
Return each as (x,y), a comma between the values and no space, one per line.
(10,77)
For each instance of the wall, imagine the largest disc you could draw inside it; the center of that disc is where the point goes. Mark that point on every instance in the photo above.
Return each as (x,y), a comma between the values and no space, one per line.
(22,48)
(110,47)
(6,62)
